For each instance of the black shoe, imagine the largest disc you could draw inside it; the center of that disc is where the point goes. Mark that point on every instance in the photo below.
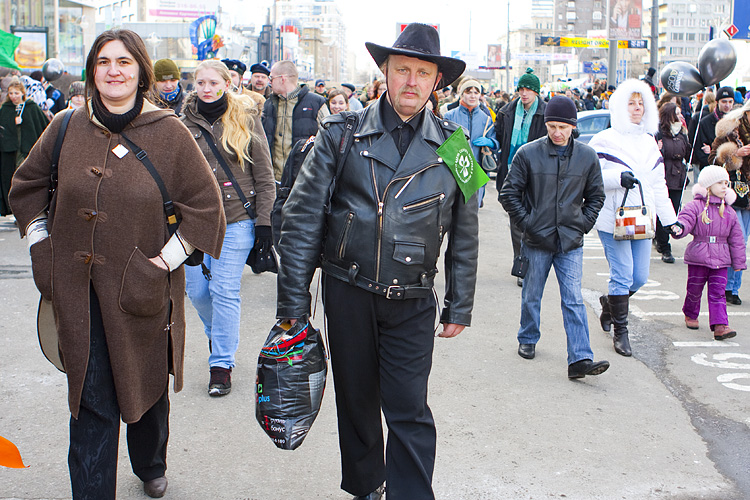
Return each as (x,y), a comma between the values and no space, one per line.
(221,381)
(519,282)
(580,369)
(667,257)
(527,351)
(375,495)
(156,487)
(732,298)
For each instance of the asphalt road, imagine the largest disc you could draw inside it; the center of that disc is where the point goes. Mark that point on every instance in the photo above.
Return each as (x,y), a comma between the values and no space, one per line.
(669,423)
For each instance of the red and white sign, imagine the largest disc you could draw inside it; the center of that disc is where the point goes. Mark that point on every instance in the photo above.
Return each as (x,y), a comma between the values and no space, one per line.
(731,31)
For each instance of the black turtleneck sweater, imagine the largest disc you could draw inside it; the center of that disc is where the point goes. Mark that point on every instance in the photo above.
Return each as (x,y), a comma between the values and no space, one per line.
(212,111)
(116,123)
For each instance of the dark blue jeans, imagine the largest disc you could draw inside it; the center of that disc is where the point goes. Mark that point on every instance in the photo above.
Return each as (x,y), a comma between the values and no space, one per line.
(569,271)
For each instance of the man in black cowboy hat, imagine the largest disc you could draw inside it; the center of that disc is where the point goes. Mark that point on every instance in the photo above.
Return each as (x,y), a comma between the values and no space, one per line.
(380,237)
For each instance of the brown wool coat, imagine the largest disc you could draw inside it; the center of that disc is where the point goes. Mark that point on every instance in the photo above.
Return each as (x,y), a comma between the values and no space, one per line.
(256,181)
(108,219)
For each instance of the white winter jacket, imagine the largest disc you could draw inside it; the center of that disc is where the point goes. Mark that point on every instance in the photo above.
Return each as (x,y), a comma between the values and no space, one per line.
(627,146)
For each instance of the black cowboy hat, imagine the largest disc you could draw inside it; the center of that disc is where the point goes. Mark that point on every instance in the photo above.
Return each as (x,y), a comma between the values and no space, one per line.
(423,42)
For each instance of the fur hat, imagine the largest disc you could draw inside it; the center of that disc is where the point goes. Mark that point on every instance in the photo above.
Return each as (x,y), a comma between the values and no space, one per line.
(711,174)
(561,109)
(529,81)
(166,69)
(618,106)
(77,88)
(421,41)
(730,121)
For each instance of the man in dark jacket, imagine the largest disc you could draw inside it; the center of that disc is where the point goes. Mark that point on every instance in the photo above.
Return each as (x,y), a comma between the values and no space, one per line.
(554,192)
(290,114)
(167,83)
(380,239)
(520,121)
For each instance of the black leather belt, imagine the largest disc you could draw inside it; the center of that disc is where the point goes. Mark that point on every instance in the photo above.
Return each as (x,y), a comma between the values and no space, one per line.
(391,292)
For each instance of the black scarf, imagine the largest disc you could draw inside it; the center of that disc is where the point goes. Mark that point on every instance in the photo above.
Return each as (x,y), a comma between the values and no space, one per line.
(116,123)
(212,111)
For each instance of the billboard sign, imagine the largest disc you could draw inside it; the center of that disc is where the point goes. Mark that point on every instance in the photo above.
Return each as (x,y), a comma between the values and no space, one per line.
(182,8)
(624,19)
(32,50)
(495,56)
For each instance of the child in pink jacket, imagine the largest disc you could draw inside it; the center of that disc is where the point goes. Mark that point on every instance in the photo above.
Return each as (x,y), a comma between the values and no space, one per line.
(717,244)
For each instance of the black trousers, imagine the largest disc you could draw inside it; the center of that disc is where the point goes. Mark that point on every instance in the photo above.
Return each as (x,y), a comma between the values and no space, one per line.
(95,435)
(662,235)
(381,355)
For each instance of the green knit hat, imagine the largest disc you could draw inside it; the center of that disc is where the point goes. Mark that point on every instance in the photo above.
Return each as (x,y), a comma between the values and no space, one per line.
(166,69)
(529,81)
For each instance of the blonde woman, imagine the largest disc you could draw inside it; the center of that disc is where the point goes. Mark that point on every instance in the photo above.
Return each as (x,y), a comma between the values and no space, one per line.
(227,120)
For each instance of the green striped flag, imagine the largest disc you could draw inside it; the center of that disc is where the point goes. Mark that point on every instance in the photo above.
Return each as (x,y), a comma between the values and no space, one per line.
(456,153)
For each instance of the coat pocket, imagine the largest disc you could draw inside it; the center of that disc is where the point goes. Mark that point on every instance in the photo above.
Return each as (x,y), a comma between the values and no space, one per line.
(41,266)
(145,287)
(408,253)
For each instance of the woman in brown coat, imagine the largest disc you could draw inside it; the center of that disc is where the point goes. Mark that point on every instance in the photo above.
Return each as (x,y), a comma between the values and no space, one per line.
(109,265)
(230,122)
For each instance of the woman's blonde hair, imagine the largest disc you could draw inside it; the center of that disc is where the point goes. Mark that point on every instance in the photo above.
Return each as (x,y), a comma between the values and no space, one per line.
(704,215)
(16,82)
(238,134)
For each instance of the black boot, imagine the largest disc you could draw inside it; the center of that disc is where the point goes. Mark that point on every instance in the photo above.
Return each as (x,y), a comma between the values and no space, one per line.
(605,318)
(618,306)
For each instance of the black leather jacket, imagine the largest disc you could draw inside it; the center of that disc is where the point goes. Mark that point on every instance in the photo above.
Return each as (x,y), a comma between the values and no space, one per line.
(554,198)
(384,237)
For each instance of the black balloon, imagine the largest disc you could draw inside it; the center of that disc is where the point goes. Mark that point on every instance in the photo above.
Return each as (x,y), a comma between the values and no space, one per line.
(681,78)
(52,69)
(716,61)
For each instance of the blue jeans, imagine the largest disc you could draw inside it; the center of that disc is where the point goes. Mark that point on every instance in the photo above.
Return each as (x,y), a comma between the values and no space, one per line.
(569,271)
(629,262)
(218,300)
(734,279)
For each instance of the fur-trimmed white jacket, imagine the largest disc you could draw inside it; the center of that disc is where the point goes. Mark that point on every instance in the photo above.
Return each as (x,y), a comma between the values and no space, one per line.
(629,146)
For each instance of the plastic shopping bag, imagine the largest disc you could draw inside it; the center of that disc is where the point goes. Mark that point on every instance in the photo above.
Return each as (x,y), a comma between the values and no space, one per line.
(290,381)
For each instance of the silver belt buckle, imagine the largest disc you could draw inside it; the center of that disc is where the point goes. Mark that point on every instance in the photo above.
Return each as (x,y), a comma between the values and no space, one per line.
(389,292)
(712,239)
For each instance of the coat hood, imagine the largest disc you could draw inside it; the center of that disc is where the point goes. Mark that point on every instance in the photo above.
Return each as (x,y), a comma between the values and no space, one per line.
(618,106)
(700,193)
(725,156)
(730,121)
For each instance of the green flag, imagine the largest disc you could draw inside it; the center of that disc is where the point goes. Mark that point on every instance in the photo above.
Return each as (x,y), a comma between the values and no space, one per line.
(8,44)
(456,153)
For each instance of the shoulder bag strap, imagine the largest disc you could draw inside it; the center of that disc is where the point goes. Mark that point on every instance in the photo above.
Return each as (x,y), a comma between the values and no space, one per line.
(347,139)
(168,205)
(210,140)
(56,154)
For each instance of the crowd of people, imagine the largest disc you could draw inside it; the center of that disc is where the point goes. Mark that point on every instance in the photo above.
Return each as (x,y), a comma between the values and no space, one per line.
(181,188)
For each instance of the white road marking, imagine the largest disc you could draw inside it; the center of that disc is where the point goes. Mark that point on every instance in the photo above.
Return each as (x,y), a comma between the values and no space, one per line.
(727,378)
(712,343)
(702,359)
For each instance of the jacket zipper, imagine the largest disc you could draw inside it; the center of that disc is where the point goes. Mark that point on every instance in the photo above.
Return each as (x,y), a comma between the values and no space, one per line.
(345,234)
(424,203)
(381,203)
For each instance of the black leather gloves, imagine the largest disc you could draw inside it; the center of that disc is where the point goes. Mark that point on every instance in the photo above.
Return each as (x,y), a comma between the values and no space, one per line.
(628,180)
(262,258)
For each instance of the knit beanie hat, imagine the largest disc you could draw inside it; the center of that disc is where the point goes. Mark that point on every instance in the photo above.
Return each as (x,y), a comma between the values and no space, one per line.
(529,81)
(166,69)
(76,88)
(712,174)
(724,93)
(467,84)
(561,109)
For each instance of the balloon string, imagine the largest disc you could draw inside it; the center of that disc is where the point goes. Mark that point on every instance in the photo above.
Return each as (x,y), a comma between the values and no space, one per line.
(692,150)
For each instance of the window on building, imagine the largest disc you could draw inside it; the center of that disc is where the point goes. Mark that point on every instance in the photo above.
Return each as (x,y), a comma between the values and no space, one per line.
(690,37)
(571,4)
